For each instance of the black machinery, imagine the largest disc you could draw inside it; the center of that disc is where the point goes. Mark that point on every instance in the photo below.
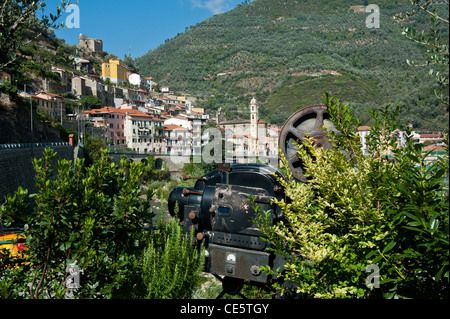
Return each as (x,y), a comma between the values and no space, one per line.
(219,212)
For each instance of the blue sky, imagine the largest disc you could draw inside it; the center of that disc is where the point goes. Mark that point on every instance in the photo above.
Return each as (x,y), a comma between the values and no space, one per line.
(140,24)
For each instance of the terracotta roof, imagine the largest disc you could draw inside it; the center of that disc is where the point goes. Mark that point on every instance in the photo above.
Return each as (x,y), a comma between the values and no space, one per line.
(235,122)
(109,109)
(173,127)
(50,94)
(138,113)
(364,128)
(434,147)
(438,135)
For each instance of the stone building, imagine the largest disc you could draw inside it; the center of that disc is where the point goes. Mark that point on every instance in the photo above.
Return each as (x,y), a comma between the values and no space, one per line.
(251,137)
(51,104)
(91,45)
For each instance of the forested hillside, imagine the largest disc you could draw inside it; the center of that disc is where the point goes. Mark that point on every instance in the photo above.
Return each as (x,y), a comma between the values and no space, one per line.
(288,53)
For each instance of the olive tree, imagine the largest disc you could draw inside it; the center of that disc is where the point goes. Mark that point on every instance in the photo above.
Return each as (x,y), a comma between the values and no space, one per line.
(17,18)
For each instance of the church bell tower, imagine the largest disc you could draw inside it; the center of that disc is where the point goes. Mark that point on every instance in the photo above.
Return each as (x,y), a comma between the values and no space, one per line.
(254,118)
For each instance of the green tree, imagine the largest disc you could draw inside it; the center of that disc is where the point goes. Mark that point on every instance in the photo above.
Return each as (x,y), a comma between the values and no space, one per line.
(435,40)
(93,147)
(89,102)
(129,62)
(388,208)
(91,216)
(16,19)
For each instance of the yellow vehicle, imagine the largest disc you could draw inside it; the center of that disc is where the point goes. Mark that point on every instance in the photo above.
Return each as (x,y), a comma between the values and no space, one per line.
(14,242)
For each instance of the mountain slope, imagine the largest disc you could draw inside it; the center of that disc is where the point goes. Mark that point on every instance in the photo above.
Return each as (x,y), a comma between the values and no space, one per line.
(287,53)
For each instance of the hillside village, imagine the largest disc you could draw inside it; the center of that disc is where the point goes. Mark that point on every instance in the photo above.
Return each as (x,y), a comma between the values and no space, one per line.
(134,114)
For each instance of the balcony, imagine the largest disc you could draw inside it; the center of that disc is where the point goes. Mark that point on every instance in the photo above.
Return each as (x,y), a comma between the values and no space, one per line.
(144,132)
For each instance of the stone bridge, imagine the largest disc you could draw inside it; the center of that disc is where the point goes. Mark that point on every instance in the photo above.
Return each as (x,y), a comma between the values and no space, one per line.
(16,167)
(176,163)
(172,163)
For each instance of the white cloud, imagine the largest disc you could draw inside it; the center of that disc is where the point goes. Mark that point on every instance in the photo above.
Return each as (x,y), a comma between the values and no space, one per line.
(215,6)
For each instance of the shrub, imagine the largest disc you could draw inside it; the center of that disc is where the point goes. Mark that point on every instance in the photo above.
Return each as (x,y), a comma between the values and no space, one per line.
(171,266)
(90,216)
(387,210)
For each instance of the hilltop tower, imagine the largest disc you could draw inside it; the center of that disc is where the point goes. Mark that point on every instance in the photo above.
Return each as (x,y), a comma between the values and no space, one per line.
(254,117)
(91,45)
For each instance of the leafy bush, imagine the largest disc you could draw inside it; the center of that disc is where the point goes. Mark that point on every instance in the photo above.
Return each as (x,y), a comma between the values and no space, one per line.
(90,102)
(91,216)
(388,209)
(171,266)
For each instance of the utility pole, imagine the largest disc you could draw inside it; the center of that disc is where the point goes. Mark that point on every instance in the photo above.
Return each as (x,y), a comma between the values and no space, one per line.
(31,119)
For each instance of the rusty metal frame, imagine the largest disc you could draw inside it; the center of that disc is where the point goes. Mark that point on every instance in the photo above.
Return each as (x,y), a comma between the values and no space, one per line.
(291,131)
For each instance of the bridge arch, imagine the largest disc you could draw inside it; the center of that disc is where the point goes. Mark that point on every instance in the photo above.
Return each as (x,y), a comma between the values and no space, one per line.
(161,160)
(159,163)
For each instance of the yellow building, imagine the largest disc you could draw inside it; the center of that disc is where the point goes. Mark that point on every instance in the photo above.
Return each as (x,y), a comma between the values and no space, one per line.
(115,71)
